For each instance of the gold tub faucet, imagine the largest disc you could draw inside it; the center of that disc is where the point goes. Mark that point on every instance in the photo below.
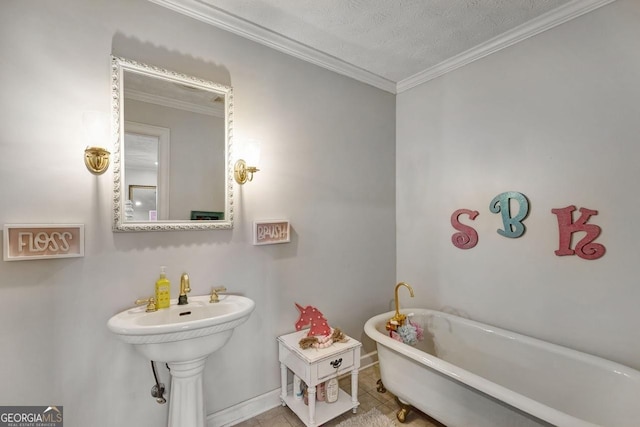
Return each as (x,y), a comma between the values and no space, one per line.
(398,319)
(184,289)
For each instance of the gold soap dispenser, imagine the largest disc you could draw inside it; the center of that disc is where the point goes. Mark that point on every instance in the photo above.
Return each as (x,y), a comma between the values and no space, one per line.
(163,290)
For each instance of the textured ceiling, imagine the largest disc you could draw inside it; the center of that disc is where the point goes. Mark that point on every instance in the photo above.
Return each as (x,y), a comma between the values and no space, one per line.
(394,39)
(391,44)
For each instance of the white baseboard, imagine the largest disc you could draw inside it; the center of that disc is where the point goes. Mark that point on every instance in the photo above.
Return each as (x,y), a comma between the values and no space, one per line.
(244,410)
(369,359)
(259,404)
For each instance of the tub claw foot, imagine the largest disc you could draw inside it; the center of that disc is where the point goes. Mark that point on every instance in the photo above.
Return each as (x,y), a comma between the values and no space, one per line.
(403,412)
(380,388)
(402,415)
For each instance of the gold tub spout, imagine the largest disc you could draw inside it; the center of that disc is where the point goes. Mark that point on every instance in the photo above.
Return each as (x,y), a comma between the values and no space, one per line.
(398,319)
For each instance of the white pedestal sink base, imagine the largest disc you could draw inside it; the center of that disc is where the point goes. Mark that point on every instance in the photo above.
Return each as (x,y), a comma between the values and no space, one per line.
(183,336)
(186,400)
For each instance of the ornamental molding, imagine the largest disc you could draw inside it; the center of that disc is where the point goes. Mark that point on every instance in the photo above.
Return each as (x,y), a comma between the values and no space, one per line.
(206,13)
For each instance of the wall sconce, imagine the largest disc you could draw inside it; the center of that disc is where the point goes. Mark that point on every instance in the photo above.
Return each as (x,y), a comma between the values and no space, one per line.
(248,159)
(96,159)
(95,128)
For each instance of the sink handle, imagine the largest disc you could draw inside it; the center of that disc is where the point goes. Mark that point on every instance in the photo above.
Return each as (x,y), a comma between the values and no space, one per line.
(151,303)
(214,293)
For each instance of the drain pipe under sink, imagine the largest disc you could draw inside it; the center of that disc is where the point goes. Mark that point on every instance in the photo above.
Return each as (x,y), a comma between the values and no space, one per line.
(157,390)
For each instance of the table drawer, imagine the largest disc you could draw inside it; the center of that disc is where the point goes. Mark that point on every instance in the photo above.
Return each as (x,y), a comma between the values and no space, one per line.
(336,364)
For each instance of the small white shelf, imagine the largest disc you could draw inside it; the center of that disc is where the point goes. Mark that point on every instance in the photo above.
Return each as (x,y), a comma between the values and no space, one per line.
(315,366)
(324,411)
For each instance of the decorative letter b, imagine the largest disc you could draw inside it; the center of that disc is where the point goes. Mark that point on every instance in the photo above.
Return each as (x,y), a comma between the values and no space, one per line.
(513,227)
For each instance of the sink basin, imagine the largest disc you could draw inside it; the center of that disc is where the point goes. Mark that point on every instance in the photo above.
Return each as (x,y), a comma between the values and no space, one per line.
(183,336)
(182,333)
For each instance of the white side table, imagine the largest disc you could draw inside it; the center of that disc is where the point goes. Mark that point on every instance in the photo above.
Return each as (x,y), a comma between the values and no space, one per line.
(314,366)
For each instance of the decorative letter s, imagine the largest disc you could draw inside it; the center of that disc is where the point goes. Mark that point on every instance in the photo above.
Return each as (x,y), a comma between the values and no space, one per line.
(467,238)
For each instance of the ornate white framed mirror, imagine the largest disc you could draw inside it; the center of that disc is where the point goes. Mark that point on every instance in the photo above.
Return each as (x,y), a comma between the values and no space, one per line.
(172,133)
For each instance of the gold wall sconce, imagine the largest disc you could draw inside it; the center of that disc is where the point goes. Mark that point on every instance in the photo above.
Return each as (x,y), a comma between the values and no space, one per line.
(96,159)
(248,159)
(95,128)
(243,173)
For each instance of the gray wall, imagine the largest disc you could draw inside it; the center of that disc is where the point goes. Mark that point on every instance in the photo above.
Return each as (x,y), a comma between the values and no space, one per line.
(556,118)
(327,165)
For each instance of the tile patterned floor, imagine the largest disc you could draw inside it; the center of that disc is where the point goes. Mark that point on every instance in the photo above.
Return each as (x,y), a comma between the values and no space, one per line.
(368,397)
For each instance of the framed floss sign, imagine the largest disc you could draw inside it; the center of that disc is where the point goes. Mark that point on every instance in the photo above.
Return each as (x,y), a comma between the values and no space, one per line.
(271,232)
(24,242)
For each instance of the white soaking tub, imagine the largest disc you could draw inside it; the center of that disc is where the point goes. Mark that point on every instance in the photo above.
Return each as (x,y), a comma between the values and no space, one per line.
(466,373)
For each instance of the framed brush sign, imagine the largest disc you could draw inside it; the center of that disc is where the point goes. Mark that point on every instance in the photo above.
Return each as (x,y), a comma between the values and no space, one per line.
(43,241)
(271,232)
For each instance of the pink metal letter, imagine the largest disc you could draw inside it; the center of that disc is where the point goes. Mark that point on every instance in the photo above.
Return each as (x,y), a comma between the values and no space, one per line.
(467,237)
(566,227)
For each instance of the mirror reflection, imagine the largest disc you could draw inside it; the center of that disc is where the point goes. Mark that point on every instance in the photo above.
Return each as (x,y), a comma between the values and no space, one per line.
(174,146)
(142,203)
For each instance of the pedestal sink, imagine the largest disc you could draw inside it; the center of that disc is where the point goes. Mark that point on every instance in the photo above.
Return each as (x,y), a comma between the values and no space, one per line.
(183,336)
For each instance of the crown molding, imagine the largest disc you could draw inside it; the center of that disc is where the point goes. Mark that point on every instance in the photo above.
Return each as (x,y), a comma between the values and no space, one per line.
(538,25)
(211,15)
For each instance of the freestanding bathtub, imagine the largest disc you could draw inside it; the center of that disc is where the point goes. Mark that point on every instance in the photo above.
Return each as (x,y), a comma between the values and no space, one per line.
(464,373)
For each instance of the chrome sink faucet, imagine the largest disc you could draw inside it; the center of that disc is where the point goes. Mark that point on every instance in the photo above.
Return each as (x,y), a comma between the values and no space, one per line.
(184,289)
